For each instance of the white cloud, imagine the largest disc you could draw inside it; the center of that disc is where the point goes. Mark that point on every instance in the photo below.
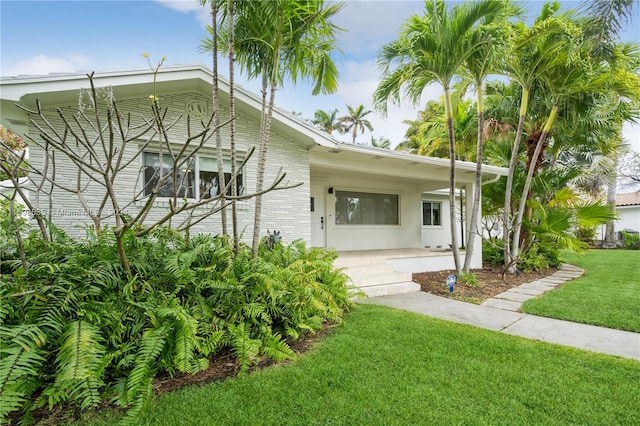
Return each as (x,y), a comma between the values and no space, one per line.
(202,13)
(370,24)
(43,64)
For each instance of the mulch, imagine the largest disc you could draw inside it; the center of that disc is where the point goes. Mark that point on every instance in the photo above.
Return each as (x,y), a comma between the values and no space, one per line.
(490,283)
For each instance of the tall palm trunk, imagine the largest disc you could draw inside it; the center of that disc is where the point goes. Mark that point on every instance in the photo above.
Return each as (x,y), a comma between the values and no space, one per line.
(265,130)
(216,118)
(476,207)
(506,226)
(232,127)
(610,234)
(515,243)
(452,180)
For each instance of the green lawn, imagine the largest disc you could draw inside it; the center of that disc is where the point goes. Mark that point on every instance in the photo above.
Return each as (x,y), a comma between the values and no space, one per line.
(388,367)
(607,295)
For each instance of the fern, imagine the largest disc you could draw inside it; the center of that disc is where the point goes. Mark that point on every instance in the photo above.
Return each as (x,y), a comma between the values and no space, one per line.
(185,329)
(80,365)
(244,347)
(137,385)
(20,362)
(275,348)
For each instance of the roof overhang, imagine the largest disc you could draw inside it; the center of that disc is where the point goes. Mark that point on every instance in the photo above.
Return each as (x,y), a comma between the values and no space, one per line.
(326,153)
(61,89)
(358,159)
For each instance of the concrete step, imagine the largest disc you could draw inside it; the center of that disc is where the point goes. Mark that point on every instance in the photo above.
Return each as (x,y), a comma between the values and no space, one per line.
(387,289)
(378,279)
(360,271)
(354,261)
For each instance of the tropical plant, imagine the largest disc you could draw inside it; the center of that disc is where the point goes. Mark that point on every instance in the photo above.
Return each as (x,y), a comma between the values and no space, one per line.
(381,142)
(76,330)
(275,40)
(630,241)
(354,121)
(532,51)
(432,48)
(478,65)
(327,121)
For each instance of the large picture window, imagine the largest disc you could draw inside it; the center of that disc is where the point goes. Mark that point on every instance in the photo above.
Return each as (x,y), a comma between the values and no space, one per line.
(208,177)
(196,178)
(155,168)
(431,213)
(363,208)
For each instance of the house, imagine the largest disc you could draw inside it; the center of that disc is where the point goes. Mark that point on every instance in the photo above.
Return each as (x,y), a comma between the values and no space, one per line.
(628,209)
(351,197)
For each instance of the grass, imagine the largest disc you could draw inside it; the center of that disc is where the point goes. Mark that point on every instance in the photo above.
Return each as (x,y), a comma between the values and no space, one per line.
(608,294)
(389,367)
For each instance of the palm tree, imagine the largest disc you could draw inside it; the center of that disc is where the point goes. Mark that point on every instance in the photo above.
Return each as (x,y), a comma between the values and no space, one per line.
(381,142)
(477,66)
(327,121)
(532,51)
(216,108)
(604,23)
(432,48)
(576,84)
(355,120)
(278,39)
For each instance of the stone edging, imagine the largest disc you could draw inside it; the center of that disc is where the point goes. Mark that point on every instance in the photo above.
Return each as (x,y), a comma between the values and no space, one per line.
(512,299)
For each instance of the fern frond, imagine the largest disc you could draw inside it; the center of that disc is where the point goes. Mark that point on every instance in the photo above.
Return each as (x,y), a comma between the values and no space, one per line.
(275,348)
(244,347)
(18,366)
(80,365)
(136,388)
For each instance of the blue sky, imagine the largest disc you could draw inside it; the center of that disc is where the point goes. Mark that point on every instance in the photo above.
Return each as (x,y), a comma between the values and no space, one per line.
(41,37)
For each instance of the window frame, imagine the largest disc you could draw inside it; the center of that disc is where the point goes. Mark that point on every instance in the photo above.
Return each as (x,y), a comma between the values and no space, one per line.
(431,216)
(194,186)
(377,195)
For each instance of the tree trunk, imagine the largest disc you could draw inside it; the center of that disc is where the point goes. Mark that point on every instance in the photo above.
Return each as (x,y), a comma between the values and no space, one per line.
(610,232)
(515,243)
(232,129)
(452,181)
(262,159)
(506,223)
(477,206)
(216,119)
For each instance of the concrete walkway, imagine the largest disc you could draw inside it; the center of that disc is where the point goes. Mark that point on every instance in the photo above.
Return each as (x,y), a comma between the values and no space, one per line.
(501,313)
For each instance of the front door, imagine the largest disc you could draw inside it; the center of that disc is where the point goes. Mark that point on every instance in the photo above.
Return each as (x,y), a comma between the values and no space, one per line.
(318,220)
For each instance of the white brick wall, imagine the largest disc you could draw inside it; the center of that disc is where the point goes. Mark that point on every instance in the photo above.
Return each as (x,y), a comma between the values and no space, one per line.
(286,210)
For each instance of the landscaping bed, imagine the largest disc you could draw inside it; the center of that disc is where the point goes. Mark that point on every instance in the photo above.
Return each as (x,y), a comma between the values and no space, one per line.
(489,283)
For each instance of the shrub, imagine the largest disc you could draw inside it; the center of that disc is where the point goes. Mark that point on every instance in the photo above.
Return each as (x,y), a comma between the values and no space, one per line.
(492,252)
(539,256)
(586,234)
(631,241)
(469,279)
(75,331)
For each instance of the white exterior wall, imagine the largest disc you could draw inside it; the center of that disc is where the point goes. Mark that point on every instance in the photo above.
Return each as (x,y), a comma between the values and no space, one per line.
(437,236)
(286,210)
(371,237)
(629,218)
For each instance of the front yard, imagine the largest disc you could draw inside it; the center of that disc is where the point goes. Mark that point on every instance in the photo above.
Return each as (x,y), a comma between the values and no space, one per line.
(391,367)
(608,294)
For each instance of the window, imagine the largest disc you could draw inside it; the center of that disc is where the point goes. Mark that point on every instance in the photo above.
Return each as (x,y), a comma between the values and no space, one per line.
(208,177)
(154,169)
(431,213)
(361,208)
(195,179)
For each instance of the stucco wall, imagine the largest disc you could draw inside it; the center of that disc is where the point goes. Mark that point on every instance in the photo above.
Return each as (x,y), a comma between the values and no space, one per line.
(286,211)
(437,236)
(629,218)
(367,237)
